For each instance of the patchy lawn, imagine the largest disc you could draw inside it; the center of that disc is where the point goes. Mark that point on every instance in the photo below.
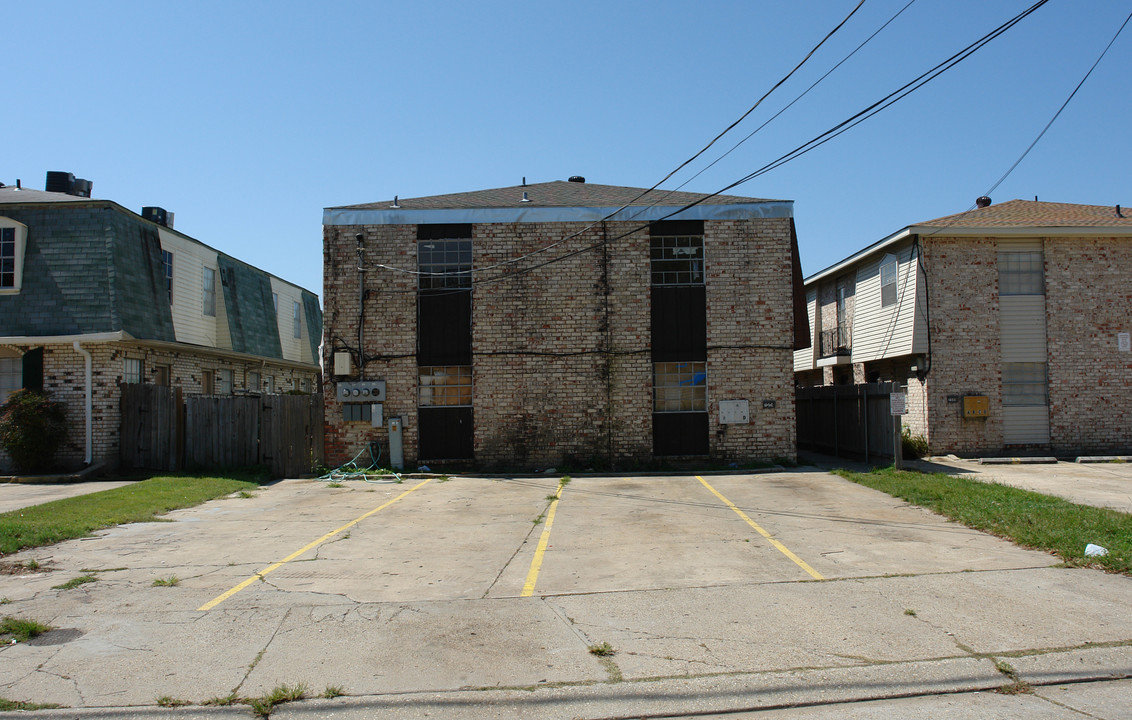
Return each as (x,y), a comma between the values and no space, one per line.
(142,501)
(1030,519)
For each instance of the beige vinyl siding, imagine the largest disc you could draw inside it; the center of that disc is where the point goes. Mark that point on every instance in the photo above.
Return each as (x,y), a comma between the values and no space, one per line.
(1022,323)
(804,359)
(1025,425)
(884,332)
(189,260)
(1022,334)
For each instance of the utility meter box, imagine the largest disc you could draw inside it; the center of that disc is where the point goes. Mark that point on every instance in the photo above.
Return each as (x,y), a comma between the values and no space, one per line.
(367,391)
(734,412)
(975,406)
(343,364)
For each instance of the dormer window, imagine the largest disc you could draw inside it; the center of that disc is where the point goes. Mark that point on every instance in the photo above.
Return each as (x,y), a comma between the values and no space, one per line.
(13,241)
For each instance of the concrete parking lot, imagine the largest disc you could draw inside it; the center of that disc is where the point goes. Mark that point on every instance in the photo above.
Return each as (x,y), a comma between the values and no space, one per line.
(470,596)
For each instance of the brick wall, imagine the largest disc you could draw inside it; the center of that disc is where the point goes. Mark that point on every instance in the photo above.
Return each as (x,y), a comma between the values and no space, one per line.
(562,371)
(966,359)
(64,377)
(1089,301)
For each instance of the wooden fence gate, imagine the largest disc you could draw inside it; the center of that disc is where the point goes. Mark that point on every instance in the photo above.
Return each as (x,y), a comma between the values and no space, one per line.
(846,420)
(161,430)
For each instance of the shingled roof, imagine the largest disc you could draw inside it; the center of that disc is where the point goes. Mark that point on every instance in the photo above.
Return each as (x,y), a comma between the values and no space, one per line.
(1031,213)
(559,193)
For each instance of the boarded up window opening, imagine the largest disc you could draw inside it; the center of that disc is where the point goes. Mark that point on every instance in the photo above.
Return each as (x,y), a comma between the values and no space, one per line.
(1021,273)
(1024,383)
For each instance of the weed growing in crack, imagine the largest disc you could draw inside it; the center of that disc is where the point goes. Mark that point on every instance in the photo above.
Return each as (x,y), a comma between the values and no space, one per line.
(75,582)
(166,701)
(602,650)
(263,706)
(334,485)
(21,630)
(5,601)
(10,705)
(332,691)
(167,582)
(910,611)
(551,498)
(245,494)
(538,520)
(443,478)
(230,699)
(1017,686)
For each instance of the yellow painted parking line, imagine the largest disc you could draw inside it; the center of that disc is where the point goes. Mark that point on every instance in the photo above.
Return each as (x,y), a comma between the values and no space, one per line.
(275,566)
(543,541)
(779,546)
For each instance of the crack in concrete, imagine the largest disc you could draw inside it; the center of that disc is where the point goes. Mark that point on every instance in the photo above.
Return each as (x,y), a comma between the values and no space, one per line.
(518,549)
(261,653)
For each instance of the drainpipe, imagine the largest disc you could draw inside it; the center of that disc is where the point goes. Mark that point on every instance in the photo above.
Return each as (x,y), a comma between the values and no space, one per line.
(89,458)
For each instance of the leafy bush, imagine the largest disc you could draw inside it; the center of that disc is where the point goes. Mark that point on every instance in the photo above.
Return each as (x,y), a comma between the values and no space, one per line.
(32,427)
(914,446)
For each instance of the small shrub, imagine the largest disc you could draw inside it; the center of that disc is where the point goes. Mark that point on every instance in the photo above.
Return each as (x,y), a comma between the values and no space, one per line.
(32,427)
(602,650)
(913,446)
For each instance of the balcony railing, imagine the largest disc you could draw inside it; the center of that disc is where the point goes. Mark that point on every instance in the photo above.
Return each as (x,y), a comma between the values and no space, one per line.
(836,342)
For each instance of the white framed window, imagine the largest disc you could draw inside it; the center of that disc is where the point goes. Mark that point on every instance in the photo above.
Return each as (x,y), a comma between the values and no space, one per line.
(680,387)
(444,264)
(209,292)
(13,241)
(444,386)
(1024,383)
(167,263)
(269,384)
(131,371)
(1021,273)
(677,259)
(298,319)
(889,276)
(11,376)
(224,381)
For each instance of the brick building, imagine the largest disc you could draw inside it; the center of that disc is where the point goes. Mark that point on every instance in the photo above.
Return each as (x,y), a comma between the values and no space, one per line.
(93,295)
(1023,307)
(563,322)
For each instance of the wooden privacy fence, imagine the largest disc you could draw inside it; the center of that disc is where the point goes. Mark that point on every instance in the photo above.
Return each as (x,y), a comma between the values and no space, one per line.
(162,430)
(846,420)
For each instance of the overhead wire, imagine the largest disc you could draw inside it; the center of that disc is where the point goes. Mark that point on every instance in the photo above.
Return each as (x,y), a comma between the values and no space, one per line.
(815,142)
(680,167)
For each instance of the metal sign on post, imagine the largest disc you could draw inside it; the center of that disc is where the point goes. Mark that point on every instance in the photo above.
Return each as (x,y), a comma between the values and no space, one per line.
(898,405)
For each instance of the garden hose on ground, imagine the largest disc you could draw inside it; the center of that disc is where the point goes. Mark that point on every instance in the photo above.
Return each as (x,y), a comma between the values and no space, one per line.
(371,473)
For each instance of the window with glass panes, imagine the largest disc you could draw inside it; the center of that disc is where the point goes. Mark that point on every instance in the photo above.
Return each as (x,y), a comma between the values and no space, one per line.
(1021,273)
(680,387)
(676,259)
(444,264)
(444,386)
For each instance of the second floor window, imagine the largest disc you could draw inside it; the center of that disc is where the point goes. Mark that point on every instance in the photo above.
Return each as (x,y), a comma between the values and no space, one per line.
(677,259)
(889,271)
(7,257)
(210,292)
(298,320)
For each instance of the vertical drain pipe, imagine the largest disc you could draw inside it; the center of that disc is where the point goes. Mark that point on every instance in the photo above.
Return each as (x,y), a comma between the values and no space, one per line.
(88,405)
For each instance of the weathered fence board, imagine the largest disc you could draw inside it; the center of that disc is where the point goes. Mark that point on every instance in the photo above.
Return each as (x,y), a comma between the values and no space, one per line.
(161,430)
(846,420)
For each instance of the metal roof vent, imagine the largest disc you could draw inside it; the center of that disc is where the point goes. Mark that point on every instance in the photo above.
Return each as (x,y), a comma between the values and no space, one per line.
(982,202)
(577,179)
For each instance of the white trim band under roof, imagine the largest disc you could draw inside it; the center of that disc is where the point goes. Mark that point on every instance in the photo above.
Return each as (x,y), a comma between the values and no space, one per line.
(113,336)
(405,216)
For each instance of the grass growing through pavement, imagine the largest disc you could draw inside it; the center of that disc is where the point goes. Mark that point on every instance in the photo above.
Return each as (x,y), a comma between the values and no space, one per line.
(1028,518)
(142,501)
(10,705)
(75,582)
(21,630)
(263,706)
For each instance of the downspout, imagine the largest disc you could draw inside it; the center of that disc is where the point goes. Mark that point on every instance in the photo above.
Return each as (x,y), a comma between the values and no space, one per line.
(89,405)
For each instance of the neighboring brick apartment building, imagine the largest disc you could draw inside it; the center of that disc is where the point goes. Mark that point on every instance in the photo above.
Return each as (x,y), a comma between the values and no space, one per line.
(82,277)
(543,324)
(1026,304)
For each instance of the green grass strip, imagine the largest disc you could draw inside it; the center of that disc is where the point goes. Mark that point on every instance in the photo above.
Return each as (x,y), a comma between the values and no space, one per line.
(141,501)
(1030,519)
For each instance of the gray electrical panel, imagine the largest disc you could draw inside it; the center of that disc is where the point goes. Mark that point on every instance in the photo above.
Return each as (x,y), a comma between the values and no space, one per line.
(366,391)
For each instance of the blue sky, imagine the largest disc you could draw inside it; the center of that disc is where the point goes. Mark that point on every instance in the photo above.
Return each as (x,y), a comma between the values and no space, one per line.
(247,118)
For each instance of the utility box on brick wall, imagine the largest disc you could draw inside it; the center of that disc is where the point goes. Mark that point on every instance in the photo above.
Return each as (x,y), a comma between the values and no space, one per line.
(975,406)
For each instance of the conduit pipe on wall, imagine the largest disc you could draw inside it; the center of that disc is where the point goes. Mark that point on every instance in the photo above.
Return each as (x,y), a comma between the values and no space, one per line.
(88,459)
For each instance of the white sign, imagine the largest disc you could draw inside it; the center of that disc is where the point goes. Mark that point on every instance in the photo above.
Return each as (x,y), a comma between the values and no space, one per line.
(1124,342)
(898,403)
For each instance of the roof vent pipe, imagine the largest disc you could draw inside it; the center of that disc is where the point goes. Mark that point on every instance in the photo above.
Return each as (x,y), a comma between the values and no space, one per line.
(983,201)
(1118,213)
(577,179)
(525,198)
